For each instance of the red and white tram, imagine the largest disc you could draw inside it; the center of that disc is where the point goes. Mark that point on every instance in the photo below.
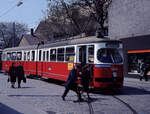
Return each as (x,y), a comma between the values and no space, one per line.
(55,60)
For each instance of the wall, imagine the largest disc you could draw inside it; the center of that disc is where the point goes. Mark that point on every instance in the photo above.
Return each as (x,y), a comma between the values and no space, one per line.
(128,18)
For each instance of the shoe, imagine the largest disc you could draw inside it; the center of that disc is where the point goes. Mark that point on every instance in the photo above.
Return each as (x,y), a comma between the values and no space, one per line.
(63,98)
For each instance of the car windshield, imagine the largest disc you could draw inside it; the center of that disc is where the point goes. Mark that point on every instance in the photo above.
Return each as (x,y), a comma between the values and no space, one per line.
(106,55)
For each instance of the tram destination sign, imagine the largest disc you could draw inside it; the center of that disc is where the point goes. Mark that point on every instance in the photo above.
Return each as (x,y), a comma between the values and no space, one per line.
(112,45)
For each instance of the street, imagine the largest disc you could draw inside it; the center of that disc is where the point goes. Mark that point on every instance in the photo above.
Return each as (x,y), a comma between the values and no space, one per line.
(42,97)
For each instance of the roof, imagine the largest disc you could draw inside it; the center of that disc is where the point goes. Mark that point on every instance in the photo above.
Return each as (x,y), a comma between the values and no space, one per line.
(29,39)
(65,42)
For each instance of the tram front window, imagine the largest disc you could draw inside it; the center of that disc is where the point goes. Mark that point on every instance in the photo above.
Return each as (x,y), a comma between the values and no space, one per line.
(106,55)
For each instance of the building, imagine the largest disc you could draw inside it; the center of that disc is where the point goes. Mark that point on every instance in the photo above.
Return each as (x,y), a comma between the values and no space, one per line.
(128,20)
(27,40)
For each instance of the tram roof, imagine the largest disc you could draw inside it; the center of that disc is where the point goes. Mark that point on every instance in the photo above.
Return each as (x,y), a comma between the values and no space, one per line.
(65,42)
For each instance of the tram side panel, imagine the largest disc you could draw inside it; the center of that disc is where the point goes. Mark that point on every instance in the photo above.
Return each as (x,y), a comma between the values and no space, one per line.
(56,70)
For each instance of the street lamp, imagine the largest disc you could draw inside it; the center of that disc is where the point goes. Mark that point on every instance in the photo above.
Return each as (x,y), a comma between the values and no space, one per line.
(19,3)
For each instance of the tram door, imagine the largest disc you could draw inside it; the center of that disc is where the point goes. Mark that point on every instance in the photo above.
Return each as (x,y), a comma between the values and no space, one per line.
(82,54)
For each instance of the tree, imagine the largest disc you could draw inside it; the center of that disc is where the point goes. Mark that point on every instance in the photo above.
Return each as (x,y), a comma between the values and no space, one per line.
(97,9)
(10,33)
(72,17)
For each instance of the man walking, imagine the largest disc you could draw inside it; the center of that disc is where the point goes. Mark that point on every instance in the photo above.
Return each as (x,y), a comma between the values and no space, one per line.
(72,83)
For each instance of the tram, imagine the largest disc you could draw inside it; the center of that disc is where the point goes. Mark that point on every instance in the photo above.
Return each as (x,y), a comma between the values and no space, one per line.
(55,60)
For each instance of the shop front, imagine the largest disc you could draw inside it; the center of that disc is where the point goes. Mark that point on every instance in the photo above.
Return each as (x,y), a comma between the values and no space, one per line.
(136,50)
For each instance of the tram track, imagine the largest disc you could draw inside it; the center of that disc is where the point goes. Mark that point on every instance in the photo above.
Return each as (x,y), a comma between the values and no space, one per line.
(113,93)
(90,107)
(91,110)
(126,104)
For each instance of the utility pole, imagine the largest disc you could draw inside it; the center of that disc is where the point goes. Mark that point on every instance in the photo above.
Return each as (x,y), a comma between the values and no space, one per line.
(14,35)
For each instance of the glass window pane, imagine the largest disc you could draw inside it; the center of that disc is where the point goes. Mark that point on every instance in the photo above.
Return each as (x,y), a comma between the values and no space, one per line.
(60,54)
(53,55)
(19,55)
(47,55)
(13,56)
(33,56)
(28,56)
(40,57)
(91,54)
(70,54)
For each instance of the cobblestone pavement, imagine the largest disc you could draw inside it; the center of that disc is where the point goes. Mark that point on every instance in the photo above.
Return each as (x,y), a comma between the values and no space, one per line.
(41,97)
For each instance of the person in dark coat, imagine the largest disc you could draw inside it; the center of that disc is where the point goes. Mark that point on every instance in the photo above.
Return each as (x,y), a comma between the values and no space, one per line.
(12,75)
(19,74)
(144,70)
(72,83)
(85,79)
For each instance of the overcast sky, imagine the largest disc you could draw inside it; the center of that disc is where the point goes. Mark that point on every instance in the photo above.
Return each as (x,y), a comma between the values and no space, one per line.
(30,12)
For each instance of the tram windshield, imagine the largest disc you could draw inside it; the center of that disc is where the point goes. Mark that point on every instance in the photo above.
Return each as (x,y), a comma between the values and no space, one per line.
(107,55)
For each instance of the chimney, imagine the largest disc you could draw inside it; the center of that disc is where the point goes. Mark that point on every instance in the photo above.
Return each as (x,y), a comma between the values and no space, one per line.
(32,32)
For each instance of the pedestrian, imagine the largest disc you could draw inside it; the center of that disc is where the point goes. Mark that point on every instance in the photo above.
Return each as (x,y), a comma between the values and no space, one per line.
(144,68)
(12,75)
(86,79)
(20,74)
(72,83)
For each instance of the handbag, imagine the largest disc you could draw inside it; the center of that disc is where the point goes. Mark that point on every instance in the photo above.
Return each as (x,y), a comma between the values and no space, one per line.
(24,79)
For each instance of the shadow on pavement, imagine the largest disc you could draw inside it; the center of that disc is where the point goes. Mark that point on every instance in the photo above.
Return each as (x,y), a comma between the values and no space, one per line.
(126,90)
(33,96)
(7,110)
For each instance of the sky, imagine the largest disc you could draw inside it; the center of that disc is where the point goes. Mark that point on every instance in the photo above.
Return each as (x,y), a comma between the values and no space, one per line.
(30,12)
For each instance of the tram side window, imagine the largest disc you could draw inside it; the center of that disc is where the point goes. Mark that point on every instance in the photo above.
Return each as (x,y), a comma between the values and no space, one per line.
(70,53)
(8,56)
(19,55)
(25,56)
(28,56)
(13,57)
(91,54)
(4,57)
(44,56)
(33,56)
(40,55)
(60,54)
(47,55)
(53,54)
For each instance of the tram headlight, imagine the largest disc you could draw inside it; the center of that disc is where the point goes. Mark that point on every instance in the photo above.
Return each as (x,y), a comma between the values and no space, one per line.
(114,74)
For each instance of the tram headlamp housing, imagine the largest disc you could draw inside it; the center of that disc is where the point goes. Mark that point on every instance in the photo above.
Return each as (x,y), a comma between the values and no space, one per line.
(114,74)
